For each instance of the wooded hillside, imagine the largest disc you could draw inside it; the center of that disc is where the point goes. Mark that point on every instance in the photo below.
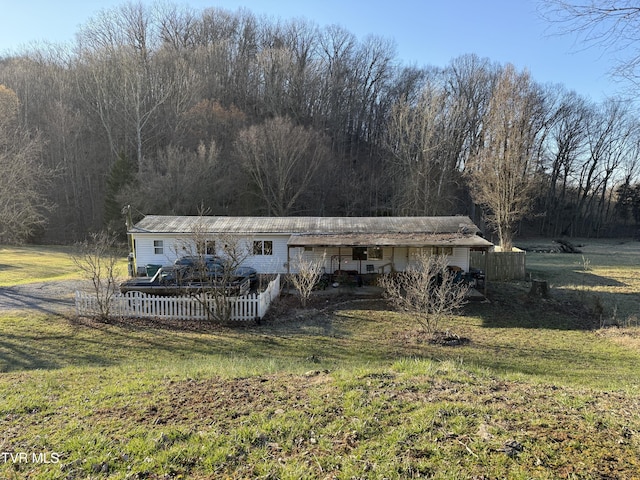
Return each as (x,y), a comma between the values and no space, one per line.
(170,109)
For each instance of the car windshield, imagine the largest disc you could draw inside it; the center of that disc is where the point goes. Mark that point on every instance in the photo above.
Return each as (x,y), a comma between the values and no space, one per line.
(191,260)
(163,274)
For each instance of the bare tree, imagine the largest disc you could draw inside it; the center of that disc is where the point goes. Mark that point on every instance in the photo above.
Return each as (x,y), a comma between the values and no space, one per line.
(565,143)
(211,278)
(502,172)
(337,48)
(309,271)
(176,180)
(282,159)
(427,289)
(43,79)
(469,80)
(98,258)
(129,81)
(609,138)
(431,132)
(613,26)
(22,201)
(421,137)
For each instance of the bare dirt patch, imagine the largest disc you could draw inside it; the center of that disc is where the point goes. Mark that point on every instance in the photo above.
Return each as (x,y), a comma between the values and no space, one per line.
(554,431)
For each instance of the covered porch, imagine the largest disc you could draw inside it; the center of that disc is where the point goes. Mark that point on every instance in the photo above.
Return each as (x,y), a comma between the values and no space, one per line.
(364,256)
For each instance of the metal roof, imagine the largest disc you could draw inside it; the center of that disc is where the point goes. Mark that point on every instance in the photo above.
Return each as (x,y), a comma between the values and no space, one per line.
(327,231)
(305,225)
(391,240)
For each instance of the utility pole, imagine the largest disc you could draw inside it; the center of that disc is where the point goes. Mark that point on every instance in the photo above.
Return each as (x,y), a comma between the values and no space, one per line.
(131,258)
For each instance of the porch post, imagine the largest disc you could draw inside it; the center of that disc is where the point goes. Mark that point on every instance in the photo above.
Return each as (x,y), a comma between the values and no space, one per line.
(393,260)
(288,260)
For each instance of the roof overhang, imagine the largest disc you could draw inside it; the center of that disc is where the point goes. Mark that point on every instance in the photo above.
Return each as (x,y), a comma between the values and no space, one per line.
(388,240)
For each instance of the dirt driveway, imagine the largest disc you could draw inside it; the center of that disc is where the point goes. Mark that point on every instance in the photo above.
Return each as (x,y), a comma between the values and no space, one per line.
(45,297)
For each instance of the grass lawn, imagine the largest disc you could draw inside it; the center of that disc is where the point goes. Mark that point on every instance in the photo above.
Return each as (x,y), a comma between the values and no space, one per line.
(347,391)
(28,264)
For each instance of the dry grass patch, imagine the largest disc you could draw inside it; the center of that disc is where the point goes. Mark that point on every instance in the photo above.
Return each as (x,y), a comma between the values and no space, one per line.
(604,276)
(628,337)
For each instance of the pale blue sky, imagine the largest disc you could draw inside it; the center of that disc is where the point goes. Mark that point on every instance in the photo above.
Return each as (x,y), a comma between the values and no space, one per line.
(426,32)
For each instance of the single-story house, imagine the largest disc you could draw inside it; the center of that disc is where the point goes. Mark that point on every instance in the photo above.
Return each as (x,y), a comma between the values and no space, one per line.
(353,244)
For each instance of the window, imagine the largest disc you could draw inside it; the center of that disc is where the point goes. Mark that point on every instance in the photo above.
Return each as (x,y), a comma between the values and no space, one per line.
(206,247)
(158,247)
(366,253)
(263,247)
(359,253)
(441,250)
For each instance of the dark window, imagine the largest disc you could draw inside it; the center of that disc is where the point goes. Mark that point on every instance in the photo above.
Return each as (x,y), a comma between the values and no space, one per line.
(374,253)
(359,253)
(441,250)
(206,247)
(158,247)
(263,247)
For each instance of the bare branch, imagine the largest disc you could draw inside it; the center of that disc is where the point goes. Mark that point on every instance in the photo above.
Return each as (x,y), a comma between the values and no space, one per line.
(215,259)
(427,289)
(97,259)
(309,273)
(612,26)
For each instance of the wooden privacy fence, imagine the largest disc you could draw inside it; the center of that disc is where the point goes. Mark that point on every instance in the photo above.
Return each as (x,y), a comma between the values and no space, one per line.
(500,266)
(141,305)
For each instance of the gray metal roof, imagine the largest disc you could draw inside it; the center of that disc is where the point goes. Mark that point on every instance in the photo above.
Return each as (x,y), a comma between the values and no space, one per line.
(389,240)
(327,231)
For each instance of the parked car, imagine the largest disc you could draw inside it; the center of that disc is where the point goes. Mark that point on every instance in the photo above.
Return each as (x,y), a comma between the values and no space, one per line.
(167,280)
(246,272)
(214,267)
(195,260)
(184,279)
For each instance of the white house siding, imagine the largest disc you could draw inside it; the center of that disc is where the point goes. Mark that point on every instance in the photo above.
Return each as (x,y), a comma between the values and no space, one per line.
(145,251)
(404,256)
(275,263)
(334,258)
(397,258)
(459,258)
(176,246)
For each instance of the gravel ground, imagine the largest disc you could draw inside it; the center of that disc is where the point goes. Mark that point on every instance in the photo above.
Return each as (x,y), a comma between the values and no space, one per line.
(45,297)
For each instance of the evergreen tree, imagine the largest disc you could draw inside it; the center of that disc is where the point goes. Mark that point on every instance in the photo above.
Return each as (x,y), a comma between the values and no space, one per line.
(122,174)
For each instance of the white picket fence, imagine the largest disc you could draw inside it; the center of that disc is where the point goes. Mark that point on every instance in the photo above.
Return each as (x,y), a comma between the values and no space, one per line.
(141,305)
